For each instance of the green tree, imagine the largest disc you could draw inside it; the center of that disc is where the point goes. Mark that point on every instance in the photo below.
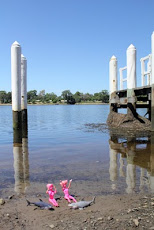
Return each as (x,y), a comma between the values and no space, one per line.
(65,94)
(77,96)
(3,96)
(9,97)
(87,97)
(32,96)
(104,96)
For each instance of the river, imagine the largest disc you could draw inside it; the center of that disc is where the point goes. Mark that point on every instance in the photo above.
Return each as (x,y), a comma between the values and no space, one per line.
(65,142)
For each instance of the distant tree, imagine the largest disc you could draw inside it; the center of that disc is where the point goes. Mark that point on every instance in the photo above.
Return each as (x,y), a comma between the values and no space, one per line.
(65,94)
(87,97)
(3,96)
(41,93)
(70,100)
(9,97)
(32,96)
(51,97)
(77,96)
(97,97)
(104,96)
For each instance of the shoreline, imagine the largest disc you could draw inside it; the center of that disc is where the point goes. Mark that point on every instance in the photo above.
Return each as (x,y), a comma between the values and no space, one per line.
(93,103)
(108,212)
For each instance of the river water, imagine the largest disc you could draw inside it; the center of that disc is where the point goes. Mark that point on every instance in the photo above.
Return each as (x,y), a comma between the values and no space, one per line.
(66,142)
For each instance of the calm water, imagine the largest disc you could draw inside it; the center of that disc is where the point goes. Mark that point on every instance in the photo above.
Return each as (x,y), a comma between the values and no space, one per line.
(61,145)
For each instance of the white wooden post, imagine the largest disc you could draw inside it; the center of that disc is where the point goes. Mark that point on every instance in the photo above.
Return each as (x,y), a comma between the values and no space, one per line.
(16,84)
(23,82)
(113,74)
(149,71)
(131,79)
(142,71)
(113,83)
(131,67)
(24,95)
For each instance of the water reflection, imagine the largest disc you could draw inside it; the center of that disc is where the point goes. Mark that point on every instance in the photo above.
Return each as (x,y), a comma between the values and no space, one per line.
(21,162)
(130,156)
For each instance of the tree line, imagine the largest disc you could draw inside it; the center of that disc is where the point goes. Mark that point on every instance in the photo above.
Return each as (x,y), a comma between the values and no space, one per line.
(66,97)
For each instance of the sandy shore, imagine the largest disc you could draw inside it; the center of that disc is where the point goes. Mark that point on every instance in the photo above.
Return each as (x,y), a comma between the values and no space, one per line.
(108,212)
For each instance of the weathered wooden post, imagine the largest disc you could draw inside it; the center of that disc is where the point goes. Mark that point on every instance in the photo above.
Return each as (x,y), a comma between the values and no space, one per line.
(131,81)
(113,83)
(142,71)
(24,95)
(16,84)
(152,83)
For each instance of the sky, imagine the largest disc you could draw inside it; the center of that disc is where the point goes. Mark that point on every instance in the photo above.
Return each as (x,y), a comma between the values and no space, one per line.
(68,43)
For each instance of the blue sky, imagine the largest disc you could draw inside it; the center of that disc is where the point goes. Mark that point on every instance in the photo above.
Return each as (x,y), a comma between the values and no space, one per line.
(68,43)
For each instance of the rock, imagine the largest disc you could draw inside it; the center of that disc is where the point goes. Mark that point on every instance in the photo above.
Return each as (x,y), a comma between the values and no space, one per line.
(152,203)
(2,201)
(100,218)
(10,197)
(136,222)
(129,210)
(8,214)
(51,226)
(110,218)
(152,228)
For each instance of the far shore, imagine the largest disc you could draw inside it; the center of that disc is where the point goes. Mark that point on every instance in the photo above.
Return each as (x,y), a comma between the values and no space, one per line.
(89,103)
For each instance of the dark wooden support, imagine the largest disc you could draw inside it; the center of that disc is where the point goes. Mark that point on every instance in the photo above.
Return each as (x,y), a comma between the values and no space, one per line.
(114,100)
(131,103)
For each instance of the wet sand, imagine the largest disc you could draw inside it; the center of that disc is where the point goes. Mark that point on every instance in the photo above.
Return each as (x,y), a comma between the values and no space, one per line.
(108,212)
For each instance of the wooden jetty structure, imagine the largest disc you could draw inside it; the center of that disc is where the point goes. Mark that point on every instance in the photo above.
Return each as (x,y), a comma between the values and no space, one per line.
(133,97)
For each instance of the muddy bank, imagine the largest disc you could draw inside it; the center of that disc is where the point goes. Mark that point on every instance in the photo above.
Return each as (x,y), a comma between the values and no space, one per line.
(108,212)
(125,122)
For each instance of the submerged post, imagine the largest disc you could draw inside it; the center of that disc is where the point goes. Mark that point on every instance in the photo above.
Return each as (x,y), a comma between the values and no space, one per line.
(131,80)
(16,84)
(113,83)
(24,95)
(152,83)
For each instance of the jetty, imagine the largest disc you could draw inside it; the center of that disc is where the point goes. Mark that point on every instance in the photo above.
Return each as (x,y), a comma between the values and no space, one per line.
(133,97)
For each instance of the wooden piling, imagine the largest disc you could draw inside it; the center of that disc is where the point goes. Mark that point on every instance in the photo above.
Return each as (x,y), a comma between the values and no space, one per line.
(16,84)
(24,96)
(113,83)
(131,81)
